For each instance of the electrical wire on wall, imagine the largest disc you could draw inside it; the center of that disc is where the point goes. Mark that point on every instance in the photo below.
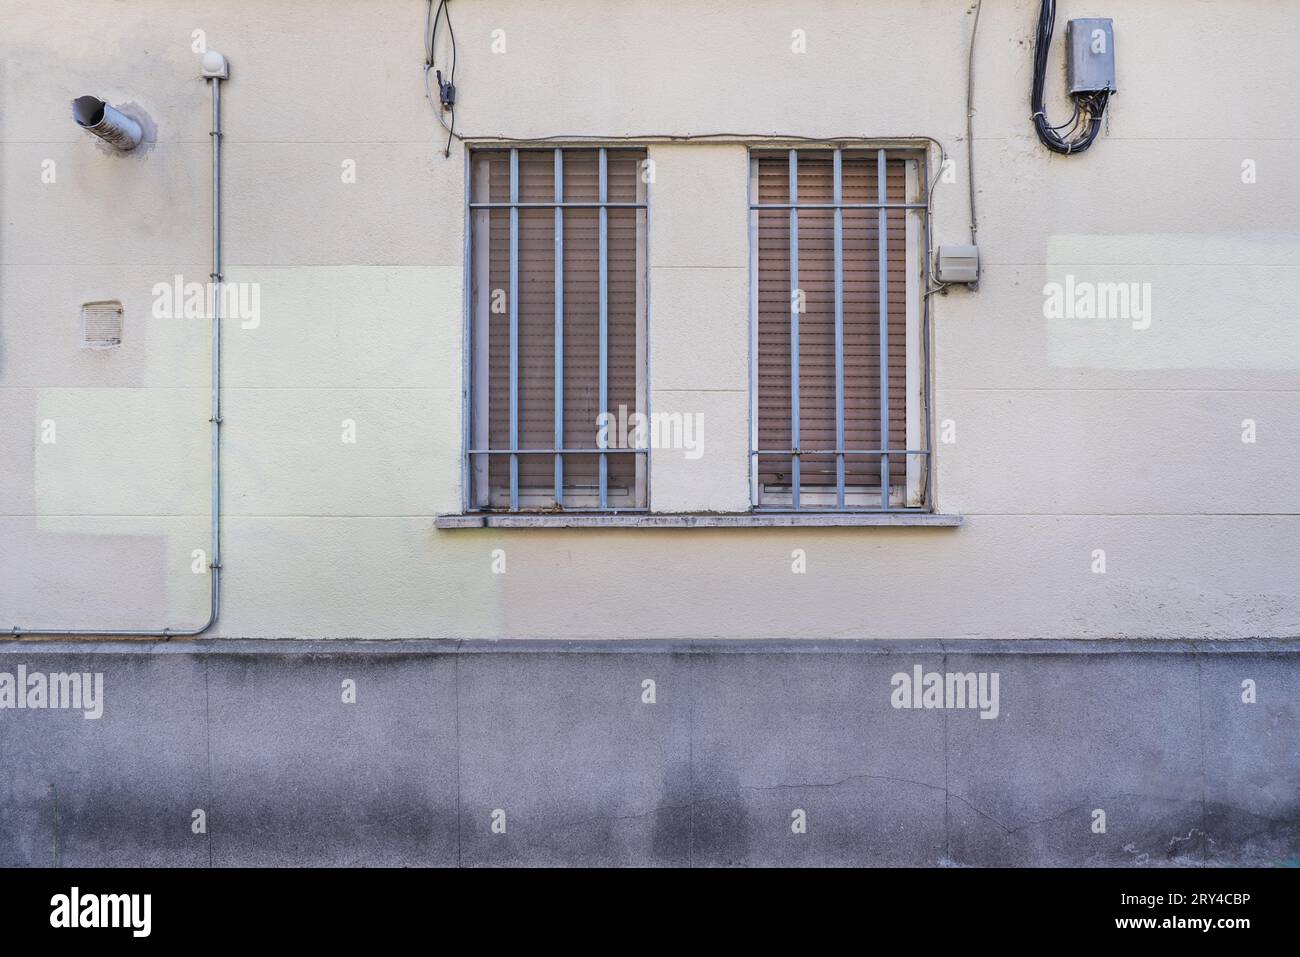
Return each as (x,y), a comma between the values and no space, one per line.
(446,88)
(970,150)
(970,113)
(1082,128)
(446,103)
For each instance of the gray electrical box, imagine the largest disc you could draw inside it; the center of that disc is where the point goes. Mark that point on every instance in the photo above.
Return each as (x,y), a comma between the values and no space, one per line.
(1090,45)
(957,264)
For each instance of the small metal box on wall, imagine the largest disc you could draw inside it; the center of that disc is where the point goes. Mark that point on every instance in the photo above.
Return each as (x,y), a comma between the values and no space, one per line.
(957,264)
(1090,45)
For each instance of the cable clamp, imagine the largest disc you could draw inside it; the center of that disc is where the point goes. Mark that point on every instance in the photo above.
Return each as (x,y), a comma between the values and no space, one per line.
(215,419)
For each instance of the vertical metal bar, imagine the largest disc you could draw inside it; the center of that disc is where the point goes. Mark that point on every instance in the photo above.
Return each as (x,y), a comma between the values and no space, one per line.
(839,329)
(930,476)
(604,318)
(469,349)
(481,335)
(794,329)
(881,187)
(641,462)
(755,491)
(913,465)
(514,329)
(559,328)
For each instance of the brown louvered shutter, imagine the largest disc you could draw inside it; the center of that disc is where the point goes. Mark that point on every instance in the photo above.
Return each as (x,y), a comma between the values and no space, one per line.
(816,280)
(581,323)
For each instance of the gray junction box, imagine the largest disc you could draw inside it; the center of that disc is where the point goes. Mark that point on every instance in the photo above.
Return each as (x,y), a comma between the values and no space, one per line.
(1090,49)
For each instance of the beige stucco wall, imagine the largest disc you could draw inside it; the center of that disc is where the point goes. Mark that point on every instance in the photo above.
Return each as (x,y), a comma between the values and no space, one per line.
(1071,436)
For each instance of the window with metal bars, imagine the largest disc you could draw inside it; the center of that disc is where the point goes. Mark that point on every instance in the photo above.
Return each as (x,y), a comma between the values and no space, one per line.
(839,384)
(558,329)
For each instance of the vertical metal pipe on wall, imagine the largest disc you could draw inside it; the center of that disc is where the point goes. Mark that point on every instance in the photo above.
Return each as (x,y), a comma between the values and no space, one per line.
(214,563)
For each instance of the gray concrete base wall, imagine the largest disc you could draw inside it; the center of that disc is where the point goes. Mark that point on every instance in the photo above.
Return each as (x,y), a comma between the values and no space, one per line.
(559,744)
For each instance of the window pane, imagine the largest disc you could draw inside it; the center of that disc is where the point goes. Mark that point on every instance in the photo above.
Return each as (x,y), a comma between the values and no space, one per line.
(581,326)
(581,176)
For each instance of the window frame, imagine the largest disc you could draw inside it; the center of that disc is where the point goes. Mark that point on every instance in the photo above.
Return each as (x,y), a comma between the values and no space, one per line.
(915,494)
(476,490)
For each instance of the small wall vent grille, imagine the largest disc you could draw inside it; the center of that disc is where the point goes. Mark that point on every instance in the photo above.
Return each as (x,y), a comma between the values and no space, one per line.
(101,325)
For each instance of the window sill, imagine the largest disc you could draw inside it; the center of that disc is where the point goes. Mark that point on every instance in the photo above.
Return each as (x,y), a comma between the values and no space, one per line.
(702,520)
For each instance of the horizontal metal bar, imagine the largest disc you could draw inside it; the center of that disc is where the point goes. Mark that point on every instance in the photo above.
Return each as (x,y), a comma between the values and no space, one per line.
(840,452)
(564,205)
(837,206)
(590,144)
(832,507)
(638,510)
(611,450)
(835,509)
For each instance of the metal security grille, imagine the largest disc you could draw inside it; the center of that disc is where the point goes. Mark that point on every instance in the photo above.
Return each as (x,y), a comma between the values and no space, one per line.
(839,406)
(557,329)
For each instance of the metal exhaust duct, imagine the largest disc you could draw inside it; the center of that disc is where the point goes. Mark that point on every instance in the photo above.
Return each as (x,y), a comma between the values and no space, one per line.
(108,123)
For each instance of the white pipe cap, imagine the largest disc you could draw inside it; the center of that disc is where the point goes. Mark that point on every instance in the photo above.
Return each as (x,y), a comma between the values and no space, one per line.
(215,66)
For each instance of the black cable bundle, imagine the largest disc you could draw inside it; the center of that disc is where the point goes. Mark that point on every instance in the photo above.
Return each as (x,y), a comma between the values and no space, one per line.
(447,87)
(1085,124)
